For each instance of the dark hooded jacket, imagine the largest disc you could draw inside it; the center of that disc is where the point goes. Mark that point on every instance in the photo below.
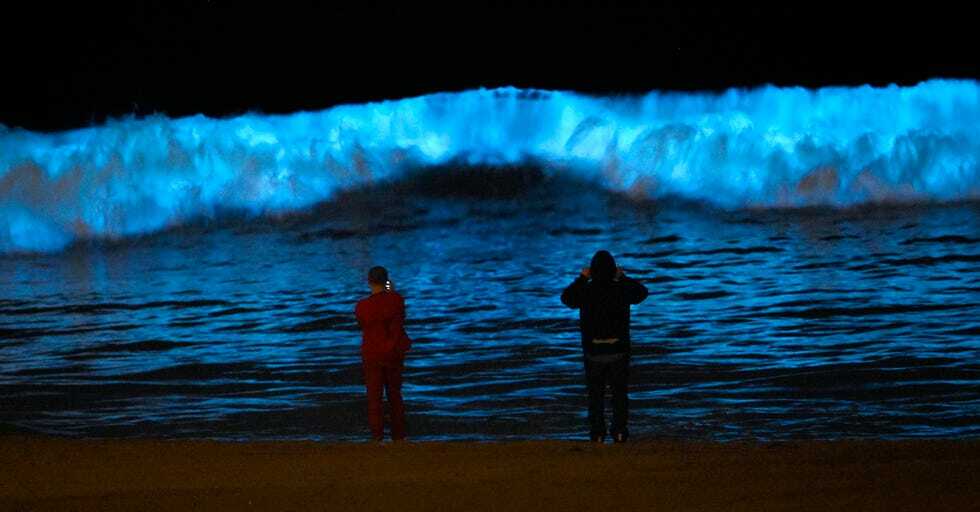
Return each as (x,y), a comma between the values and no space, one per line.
(604,302)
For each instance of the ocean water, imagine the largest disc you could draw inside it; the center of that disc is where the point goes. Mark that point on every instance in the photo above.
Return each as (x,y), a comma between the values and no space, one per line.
(812,258)
(760,324)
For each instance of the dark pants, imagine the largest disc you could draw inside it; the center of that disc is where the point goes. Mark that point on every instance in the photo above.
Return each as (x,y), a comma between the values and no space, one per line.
(598,374)
(387,377)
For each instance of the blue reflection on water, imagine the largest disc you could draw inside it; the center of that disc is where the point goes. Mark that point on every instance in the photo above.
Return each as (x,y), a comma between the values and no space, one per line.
(771,324)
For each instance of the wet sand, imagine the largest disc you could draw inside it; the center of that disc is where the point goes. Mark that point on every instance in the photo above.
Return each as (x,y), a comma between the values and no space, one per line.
(59,474)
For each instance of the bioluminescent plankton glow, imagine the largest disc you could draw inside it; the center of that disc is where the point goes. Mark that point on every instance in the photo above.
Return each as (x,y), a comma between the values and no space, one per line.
(758,148)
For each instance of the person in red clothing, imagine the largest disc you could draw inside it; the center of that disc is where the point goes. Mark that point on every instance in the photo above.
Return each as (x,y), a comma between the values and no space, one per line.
(383,346)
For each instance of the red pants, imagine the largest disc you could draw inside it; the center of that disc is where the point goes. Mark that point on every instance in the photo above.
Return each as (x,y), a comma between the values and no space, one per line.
(388,376)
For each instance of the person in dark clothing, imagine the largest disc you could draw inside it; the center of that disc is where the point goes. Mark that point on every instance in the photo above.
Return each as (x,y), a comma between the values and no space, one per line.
(603,295)
(383,346)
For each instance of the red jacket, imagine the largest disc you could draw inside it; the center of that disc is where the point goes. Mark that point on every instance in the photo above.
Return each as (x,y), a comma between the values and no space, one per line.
(382,320)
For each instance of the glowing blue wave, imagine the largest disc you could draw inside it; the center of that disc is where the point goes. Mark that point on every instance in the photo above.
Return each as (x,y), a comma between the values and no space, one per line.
(769,147)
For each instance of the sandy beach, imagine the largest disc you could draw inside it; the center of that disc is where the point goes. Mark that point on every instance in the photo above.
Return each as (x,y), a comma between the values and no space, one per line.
(59,474)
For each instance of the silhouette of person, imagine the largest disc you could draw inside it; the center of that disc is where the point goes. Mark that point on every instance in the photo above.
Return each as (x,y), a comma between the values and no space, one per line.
(603,294)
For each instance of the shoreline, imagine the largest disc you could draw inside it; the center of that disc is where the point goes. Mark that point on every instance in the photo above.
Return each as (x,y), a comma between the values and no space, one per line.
(39,473)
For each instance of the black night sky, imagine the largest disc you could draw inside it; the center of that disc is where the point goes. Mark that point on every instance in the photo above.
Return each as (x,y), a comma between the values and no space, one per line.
(75,66)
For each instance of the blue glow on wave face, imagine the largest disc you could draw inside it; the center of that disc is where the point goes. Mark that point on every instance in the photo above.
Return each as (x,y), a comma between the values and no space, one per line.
(768,147)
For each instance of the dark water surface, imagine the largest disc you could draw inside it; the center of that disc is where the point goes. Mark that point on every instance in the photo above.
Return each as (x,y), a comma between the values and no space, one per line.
(764,324)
